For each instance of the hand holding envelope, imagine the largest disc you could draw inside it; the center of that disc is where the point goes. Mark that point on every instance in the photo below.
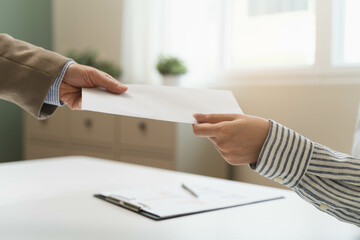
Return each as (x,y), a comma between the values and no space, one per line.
(165,103)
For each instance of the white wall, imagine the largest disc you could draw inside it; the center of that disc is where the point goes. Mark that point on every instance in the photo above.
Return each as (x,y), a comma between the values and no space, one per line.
(88,24)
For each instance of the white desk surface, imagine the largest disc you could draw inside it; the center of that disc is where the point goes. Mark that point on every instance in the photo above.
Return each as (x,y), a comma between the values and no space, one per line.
(52,199)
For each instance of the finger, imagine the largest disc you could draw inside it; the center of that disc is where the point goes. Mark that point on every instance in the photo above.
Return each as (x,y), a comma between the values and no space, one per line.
(77,104)
(214,118)
(213,140)
(204,130)
(104,80)
(70,95)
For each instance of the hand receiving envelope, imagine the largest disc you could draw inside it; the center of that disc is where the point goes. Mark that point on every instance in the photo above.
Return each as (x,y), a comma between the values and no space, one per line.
(165,103)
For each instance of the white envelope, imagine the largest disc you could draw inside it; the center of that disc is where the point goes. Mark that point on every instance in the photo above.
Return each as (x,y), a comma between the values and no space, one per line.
(165,103)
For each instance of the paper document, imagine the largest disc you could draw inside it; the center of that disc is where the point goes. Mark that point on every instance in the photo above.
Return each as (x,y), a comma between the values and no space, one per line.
(165,103)
(161,202)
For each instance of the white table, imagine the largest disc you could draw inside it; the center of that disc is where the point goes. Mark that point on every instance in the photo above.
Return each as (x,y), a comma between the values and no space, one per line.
(52,199)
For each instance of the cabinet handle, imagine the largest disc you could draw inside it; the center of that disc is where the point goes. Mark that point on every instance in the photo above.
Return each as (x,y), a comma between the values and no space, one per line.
(142,126)
(88,122)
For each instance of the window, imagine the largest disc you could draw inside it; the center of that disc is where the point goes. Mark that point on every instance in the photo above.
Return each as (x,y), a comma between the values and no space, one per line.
(272,33)
(243,39)
(346,44)
(263,7)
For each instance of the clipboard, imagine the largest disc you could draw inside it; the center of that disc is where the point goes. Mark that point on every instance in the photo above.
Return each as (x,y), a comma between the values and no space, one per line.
(171,201)
(130,207)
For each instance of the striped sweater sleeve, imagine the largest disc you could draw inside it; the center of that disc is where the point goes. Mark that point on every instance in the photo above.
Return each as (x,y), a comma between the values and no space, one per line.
(327,179)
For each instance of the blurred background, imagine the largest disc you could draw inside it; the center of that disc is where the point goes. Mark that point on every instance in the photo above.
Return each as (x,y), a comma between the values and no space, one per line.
(294,61)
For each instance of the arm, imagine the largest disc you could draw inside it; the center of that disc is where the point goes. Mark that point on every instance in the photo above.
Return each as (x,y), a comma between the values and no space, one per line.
(37,79)
(327,179)
(26,74)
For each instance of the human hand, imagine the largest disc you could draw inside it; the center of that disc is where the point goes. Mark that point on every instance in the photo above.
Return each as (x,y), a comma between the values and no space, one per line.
(78,76)
(238,138)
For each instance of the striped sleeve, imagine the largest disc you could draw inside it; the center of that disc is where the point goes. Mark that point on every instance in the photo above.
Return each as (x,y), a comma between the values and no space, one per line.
(52,97)
(327,179)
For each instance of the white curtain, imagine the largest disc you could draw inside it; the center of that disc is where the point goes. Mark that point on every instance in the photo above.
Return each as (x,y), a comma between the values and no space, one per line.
(187,29)
(141,40)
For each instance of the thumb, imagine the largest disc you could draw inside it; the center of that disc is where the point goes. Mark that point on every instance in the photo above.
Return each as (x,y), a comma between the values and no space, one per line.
(104,80)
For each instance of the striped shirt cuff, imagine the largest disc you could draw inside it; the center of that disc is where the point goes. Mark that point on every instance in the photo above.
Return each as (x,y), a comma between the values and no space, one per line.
(52,97)
(285,156)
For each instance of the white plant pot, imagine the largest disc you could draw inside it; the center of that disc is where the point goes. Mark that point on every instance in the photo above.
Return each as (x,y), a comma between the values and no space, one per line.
(171,80)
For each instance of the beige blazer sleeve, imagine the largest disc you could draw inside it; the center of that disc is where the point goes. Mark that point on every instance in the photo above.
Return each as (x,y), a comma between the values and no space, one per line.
(26,75)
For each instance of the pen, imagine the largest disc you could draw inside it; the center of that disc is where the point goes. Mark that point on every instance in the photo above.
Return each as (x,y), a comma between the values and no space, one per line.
(189,190)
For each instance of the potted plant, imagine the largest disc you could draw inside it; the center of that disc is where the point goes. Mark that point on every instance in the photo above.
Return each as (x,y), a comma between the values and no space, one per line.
(171,68)
(90,58)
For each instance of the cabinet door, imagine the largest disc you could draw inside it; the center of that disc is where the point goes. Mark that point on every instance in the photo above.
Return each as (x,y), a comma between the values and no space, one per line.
(54,127)
(92,128)
(165,161)
(43,150)
(145,134)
